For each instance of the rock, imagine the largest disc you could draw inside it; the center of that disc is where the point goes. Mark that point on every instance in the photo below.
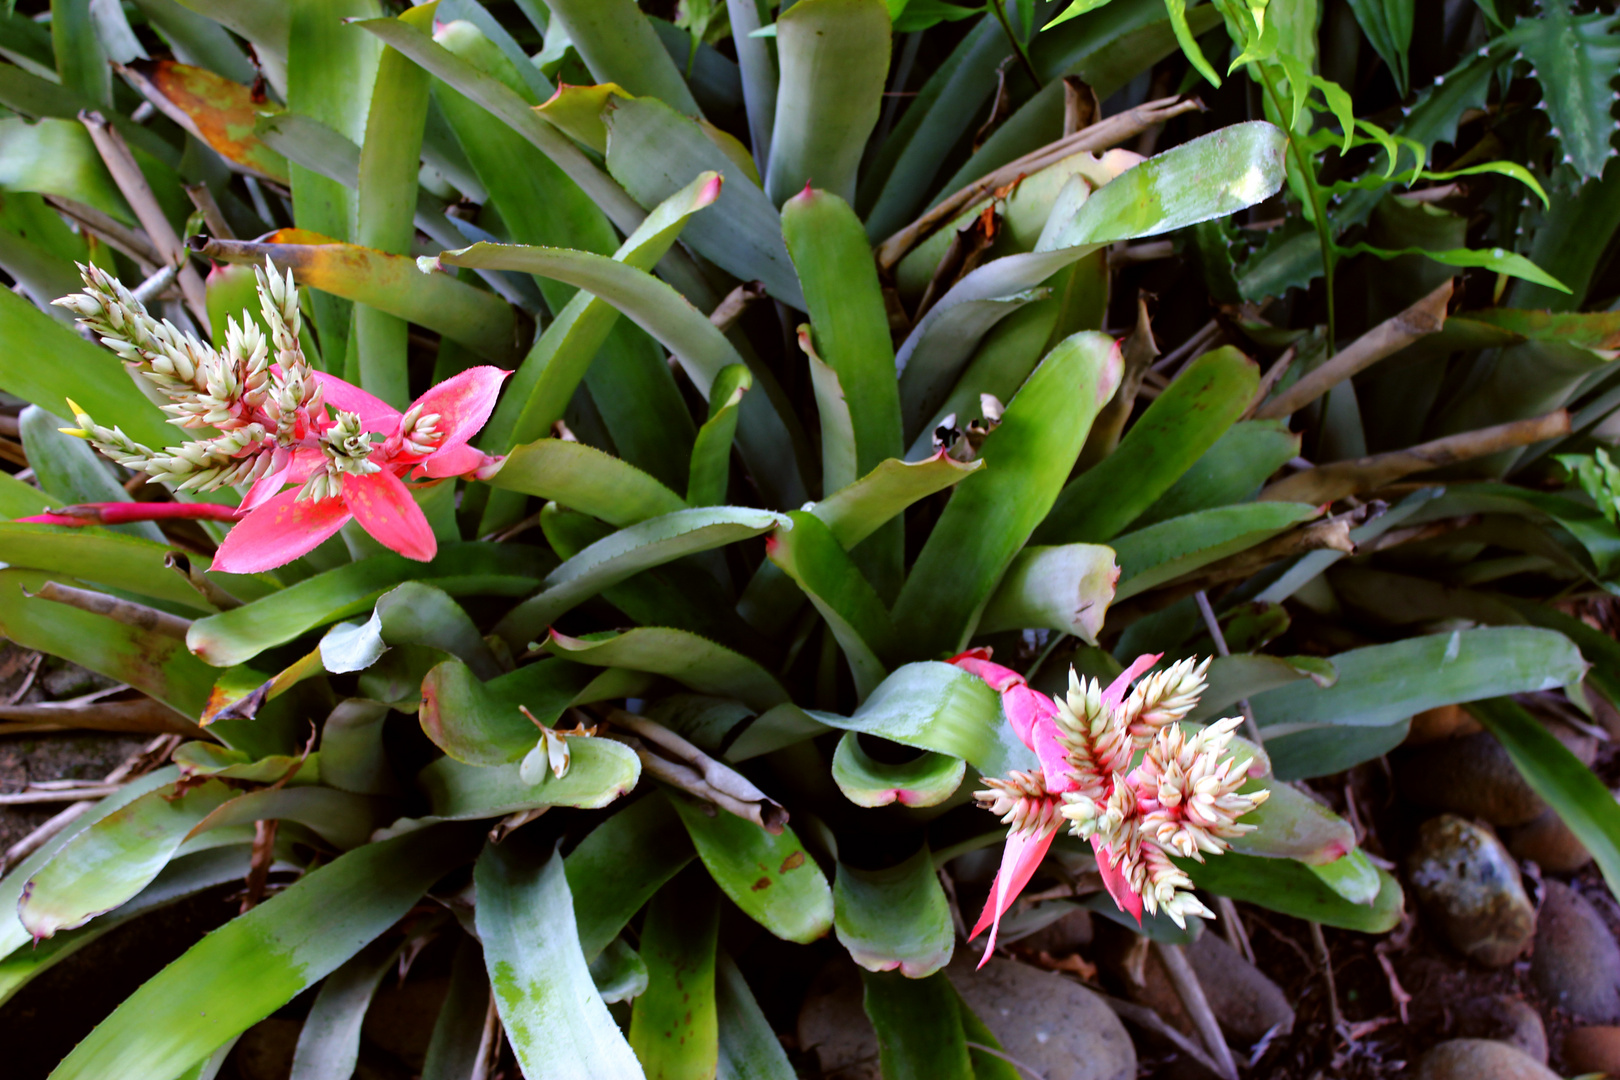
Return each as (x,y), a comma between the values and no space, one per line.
(1046,1021)
(1471,775)
(1548,843)
(1593,1049)
(833,1025)
(1481,1059)
(1071,932)
(1576,965)
(1246,1003)
(1469,883)
(401,1018)
(1445,722)
(1054,1025)
(1506,1019)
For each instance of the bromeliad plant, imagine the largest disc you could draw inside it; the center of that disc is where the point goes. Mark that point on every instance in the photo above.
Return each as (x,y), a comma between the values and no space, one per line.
(723,578)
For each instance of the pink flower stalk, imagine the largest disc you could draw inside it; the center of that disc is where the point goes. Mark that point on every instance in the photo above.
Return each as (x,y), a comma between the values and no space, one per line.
(279,423)
(1181,799)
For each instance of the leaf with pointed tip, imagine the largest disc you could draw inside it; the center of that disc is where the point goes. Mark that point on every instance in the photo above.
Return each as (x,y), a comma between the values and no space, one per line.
(992,514)
(329,1042)
(677,654)
(1230,471)
(771,878)
(619,45)
(599,771)
(710,472)
(926,780)
(895,918)
(1352,876)
(619,972)
(240,634)
(1574,57)
(1292,825)
(341,818)
(557,1022)
(627,552)
(1065,588)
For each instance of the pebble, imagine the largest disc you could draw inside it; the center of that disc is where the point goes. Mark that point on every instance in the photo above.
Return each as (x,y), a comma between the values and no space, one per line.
(1593,1049)
(1246,1003)
(1481,1059)
(1052,1024)
(1471,775)
(1506,1019)
(1576,965)
(1548,843)
(1469,883)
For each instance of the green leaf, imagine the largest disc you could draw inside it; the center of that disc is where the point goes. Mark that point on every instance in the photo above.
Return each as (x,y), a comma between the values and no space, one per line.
(617,868)
(1383,685)
(919,1026)
(620,974)
(100,555)
(834,57)
(1570,788)
(1232,678)
(149,660)
(554,1018)
(1292,825)
(80,58)
(1232,470)
(676,654)
(837,429)
(653,150)
(1574,57)
(1183,423)
(1498,259)
(625,553)
(855,512)
(771,878)
(453,1050)
(583,478)
(710,474)
(674,1027)
(68,468)
(895,918)
(291,941)
(232,637)
(599,772)
(1294,889)
(1352,876)
(1388,26)
(940,707)
(926,780)
(329,1042)
(1065,588)
(1159,553)
(991,515)
(749,1049)
(341,818)
(12,934)
(618,44)
(811,556)
(702,350)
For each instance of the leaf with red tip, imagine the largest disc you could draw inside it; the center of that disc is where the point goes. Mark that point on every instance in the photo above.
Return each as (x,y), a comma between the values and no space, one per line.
(383,506)
(278,532)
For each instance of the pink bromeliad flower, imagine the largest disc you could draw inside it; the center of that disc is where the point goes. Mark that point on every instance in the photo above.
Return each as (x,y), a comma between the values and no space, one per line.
(1180,799)
(318,452)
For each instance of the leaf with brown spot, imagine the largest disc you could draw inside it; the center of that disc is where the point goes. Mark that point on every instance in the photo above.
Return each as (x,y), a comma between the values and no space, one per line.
(217,110)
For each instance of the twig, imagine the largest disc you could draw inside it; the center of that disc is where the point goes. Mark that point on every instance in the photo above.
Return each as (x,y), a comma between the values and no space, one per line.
(1098,136)
(1127,254)
(1192,996)
(264,853)
(125,611)
(735,302)
(1269,380)
(1325,958)
(1213,625)
(703,776)
(88,791)
(148,290)
(489,1043)
(1144,1017)
(137,764)
(1232,925)
(1194,346)
(138,193)
(28,680)
(1080,106)
(137,245)
(1389,337)
(203,199)
(513,822)
(1329,483)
